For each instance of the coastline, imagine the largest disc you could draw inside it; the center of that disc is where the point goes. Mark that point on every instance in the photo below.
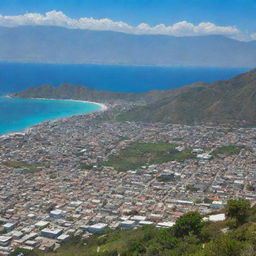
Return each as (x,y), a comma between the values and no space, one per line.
(102,106)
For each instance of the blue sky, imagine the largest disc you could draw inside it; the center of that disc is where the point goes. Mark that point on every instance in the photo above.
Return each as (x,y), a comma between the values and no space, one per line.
(238,13)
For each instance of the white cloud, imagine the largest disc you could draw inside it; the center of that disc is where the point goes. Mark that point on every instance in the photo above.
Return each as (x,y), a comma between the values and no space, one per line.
(183,28)
(253,36)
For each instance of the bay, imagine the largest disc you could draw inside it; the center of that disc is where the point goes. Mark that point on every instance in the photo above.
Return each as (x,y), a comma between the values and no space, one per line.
(18,114)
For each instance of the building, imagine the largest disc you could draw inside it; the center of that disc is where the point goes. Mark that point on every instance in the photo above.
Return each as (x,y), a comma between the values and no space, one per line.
(5,240)
(128,224)
(167,224)
(56,214)
(63,237)
(9,226)
(42,224)
(97,228)
(137,218)
(215,217)
(51,233)
(167,175)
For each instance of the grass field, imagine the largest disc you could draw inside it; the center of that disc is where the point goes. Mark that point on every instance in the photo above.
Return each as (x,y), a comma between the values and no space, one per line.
(141,153)
(24,166)
(228,150)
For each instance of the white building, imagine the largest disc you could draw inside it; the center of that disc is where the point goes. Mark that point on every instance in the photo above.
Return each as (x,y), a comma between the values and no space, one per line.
(5,240)
(51,233)
(9,226)
(56,214)
(97,228)
(42,224)
(128,224)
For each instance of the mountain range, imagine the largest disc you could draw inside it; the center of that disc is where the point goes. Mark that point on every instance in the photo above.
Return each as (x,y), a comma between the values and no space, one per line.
(231,101)
(61,45)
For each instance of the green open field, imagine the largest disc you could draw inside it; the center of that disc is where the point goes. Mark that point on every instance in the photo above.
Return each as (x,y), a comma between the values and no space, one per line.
(228,150)
(141,153)
(24,166)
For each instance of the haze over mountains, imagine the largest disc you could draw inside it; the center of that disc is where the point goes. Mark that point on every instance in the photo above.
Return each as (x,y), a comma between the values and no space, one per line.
(61,45)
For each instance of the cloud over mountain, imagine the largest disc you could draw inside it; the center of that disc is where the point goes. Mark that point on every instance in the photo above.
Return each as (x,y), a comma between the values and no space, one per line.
(183,28)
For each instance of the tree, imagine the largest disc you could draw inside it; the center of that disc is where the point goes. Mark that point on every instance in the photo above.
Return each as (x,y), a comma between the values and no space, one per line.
(166,239)
(239,210)
(188,224)
(224,246)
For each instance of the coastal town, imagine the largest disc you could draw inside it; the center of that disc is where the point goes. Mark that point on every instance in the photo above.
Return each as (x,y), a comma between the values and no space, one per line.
(55,183)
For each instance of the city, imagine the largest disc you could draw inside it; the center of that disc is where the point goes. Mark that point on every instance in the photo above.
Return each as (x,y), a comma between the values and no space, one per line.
(54,184)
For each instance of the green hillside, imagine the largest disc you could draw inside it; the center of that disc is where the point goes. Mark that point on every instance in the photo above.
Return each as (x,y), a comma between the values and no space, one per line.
(190,236)
(231,101)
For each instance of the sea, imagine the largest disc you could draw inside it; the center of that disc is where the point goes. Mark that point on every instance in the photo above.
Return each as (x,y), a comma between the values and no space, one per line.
(18,114)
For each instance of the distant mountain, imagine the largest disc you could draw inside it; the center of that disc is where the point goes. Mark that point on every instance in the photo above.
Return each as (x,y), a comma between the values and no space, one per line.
(66,91)
(231,101)
(61,45)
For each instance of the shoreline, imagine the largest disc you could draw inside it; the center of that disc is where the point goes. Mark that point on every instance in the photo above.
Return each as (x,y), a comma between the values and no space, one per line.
(102,106)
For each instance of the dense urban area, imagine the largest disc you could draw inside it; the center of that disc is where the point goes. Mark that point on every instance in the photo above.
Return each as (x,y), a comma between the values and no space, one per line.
(84,174)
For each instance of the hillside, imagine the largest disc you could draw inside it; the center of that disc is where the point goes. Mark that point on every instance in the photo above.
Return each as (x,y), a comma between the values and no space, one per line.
(229,101)
(66,91)
(60,45)
(190,236)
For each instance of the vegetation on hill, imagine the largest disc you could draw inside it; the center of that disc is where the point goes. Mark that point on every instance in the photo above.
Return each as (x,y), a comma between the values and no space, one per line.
(78,92)
(139,154)
(190,236)
(231,101)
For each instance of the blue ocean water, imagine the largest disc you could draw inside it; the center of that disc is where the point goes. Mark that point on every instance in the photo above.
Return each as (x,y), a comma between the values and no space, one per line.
(17,76)
(17,114)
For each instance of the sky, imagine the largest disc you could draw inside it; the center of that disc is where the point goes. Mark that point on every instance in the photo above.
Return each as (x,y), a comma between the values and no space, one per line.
(233,18)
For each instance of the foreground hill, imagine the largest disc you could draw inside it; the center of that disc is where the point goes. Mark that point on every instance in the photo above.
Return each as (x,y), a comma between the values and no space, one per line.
(190,236)
(61,45)
(230,101)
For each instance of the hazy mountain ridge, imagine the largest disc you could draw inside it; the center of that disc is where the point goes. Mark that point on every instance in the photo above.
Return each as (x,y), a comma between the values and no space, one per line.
(61,45)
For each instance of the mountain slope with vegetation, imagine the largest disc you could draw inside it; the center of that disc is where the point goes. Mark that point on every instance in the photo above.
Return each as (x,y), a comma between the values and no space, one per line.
(229,101)
(79,92)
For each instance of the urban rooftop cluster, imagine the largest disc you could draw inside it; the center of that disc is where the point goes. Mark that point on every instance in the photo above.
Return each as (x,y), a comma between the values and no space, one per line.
(55,182)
